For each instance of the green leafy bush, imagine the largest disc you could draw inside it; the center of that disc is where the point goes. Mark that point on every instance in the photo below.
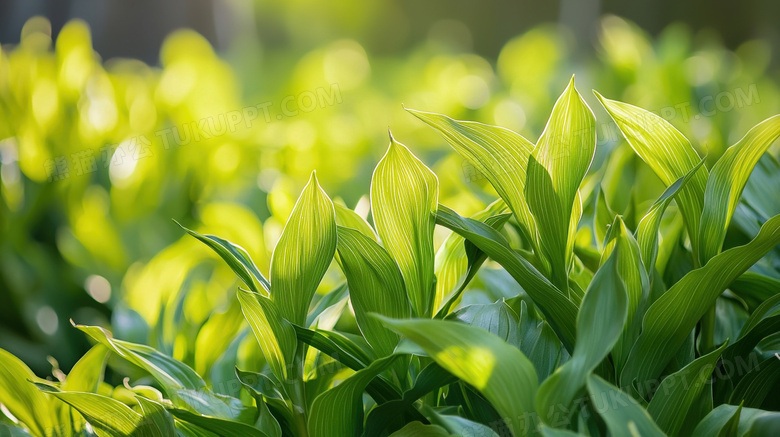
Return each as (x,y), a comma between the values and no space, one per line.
(619,324)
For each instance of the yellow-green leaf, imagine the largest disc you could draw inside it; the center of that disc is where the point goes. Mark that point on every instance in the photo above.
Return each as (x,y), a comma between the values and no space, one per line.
(667,152)
(726,182)
(275,335)
(303,253)
(499,154)
(556,168)
(404,196)
(500,372)
(375,286)
(22,399)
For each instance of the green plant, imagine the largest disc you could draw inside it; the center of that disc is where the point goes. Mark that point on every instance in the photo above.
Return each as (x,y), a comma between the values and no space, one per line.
(617,327)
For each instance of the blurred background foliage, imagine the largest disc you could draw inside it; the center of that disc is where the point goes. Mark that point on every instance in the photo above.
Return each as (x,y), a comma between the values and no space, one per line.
(100,153)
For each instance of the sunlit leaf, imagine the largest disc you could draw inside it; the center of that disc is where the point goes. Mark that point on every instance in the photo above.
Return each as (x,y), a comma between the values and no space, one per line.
(726,182)
(497,370)
(404,196)
(303,253)
(555,170)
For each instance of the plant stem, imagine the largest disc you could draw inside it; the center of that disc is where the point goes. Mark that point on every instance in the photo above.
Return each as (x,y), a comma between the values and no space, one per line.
(298,394)
(707,334)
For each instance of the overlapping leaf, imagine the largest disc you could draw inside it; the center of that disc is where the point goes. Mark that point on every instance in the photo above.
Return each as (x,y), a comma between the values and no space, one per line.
(671,318)
(499,154)
(276,336)
(375,286)
(497,370)
(667,152)
(555,170)
(596,335)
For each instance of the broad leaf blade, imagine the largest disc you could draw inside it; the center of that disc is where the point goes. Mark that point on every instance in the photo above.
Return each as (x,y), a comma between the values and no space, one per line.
(375,286)
(667,152)
(597,333)
(497,370)
(559,311)
(623,415)
(555,170)
(499,154)
(22,399)
(404,196)
(303,253)
(276,336)
(671,318)
(726,182)
(677,393)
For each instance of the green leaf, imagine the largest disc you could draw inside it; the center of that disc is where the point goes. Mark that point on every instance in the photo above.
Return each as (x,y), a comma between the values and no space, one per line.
(417,429)
(303,253)
(456,264)
(764,321)
(636,281)
(602,218)
(755,386)
(237,258)
(559,311)
(347,218)
(22,399)
(172,375)
(678,392)
(276,336)
(668,153)
(497,370)
(404,195)
(671,318)
(339,411)
(554,432)
(347,352)
(751,422)
(220,427)
(556,168)
(647,231)
(500,154)
(107,416)
(87,374)
(623,415)
(375,286)
(156,417)
(726,182)
(596,335)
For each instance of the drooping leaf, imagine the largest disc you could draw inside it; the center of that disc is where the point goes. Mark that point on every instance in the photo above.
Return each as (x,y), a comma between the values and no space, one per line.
(303,253)
(455,265)
(107,416)
(623,415)
(596,335)
(750,422)
(647,231)
(677,393)
(276,336)
(667,152)
(560,312)
(556,167)
(726,182)
(218,426)
(499,154)
(404,197)
(497,370)
(237,258)
(375,286)
(671,318)
(156,417)
(173,375)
